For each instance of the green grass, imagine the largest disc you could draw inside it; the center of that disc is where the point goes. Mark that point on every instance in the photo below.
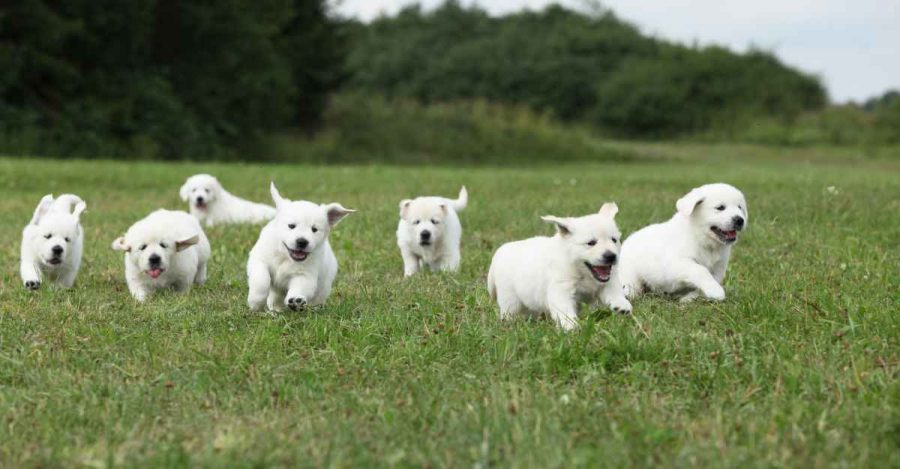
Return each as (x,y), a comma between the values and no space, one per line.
(797,367)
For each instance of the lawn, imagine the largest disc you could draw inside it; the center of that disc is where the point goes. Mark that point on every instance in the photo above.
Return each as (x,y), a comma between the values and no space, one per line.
(798,366)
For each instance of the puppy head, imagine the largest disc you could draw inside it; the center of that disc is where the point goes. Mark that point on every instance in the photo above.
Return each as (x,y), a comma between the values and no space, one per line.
(151,249)
(719,210)
(56,231)
(425,219)
(301,227)
(592,242)
(200,191)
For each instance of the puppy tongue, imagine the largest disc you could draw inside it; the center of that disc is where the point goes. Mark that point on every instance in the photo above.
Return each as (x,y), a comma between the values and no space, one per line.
(154,273)
(731,234)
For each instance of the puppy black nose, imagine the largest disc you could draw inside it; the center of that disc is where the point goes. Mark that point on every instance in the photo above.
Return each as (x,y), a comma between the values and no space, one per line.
(57,250)
(154,259)
(738,222)
(610,257)
(425,234)
(301,243)
(199,200)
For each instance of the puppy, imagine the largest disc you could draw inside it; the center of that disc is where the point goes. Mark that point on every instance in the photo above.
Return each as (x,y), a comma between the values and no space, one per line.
(555,275)
(52,242)
(167,249)
(687,255)
(429,233)
(292,263)
(212,204)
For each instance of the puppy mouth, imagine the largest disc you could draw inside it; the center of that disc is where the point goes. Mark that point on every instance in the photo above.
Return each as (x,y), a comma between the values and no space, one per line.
(55,261)
(424,243)
(200,204)
(724,236)
(600,272)
(155,272)
(297,255)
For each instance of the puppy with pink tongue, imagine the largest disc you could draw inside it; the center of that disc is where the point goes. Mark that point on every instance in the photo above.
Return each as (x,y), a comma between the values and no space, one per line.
(167,249)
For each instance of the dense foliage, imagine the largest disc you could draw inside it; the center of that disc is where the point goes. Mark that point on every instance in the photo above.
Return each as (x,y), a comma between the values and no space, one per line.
(172,78)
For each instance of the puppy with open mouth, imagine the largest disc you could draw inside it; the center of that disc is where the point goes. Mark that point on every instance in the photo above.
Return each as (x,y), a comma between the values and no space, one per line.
(52,242)
(213,205)
(429,233)
(687,256)
(167,249)
(292,264)
(555,275)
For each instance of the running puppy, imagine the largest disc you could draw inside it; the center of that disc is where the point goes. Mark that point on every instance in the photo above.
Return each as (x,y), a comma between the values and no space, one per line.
(167,249)
(52,242)
(292,263)
(429,232)
(687,255)
(213,205)
(555,275)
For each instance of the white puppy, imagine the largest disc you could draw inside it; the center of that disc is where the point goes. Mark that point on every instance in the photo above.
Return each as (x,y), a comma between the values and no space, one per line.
(688,254)
(167,249)
(555,275)
(292,263)
(212,204)
(429,232)
(52,242)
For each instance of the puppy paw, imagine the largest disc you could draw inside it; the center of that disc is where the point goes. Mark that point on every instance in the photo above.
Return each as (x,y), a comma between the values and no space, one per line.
(715,294)
(33,284)
(297,303)
(621,306)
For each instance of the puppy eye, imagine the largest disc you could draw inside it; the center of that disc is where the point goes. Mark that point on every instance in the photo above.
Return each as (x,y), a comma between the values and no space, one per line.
(614,240)
(720,208)
(435,222)
(143,246)
(417,222)
(163,245)
(592,242)
(67,239)
(315,230)
(206,190)
(292,225)
(48,236)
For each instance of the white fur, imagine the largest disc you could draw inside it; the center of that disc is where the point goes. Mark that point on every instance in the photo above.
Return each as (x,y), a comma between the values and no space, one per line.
(683,257)
(211,204)
(548,274)
(438,217)
(54,225)
(275,276)
(177,239)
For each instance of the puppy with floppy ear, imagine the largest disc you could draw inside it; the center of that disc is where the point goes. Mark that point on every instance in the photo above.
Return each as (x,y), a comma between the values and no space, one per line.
(52,242)
(167,249)
(555,275)
(211,204)
(292,263)
(429,232)
(687,256)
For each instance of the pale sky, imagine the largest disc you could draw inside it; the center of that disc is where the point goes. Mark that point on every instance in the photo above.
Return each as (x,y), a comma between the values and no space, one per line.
(853,45)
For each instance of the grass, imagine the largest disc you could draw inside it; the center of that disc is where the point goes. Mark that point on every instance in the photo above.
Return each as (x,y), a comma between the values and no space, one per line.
(797,367)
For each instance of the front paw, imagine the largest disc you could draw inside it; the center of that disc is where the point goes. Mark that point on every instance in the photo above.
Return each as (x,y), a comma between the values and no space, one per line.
(33,284)
(715,294)
(620,305)
(297,303)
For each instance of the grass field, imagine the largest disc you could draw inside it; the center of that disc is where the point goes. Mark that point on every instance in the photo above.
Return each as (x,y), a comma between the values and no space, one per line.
(797,367)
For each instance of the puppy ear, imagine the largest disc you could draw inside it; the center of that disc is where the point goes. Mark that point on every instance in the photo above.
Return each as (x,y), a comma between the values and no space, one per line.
(444,208)
(609,209)
(561,224)
(689,202)
(185,191)
(186,243)
(404,207)
(79,209)
(120,245)
(276,197)
(336,212)
(42,208)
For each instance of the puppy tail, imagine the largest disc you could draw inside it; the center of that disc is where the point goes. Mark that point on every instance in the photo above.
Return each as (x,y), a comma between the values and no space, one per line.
(461,202)
(65,202)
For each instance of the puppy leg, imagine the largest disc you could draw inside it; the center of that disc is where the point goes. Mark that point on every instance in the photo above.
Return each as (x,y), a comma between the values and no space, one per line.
(31,274)
(67,278)
(260,283)
(274,300)
(301,289)
(138,291)
(450,262)
(613,295)
(200,278)
(509,304)
(690,296)
(410,262)
(563,309)
(697,276)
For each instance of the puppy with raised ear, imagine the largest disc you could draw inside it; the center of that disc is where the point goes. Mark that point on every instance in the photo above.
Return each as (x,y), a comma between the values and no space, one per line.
(211,204)
(167,249)
(555,275)
(429,232)
(687,256)
(292,263)
(52,242)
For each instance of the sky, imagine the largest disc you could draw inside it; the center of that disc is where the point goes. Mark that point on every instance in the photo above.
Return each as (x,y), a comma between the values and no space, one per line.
(852,45)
